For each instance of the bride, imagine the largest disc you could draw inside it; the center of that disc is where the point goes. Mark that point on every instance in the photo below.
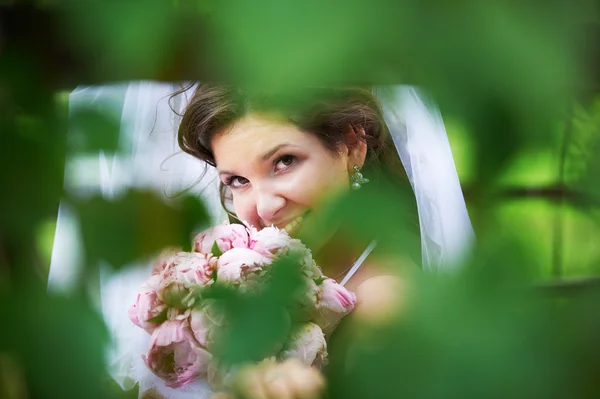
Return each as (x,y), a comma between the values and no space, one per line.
(273,161)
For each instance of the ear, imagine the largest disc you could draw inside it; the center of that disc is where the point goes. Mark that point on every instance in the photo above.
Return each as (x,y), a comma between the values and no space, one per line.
(357,146)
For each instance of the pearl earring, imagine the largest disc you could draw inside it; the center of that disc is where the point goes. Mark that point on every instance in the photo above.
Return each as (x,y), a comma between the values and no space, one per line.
(357,179)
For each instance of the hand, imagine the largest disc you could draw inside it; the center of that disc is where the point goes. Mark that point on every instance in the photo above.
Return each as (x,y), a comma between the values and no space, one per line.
(270,380)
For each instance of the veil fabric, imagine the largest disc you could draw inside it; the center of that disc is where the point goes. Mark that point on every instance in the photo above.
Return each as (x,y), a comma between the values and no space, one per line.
(422,143)
(148,157)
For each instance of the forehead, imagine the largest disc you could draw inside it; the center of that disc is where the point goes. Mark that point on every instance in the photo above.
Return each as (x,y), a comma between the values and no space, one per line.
(253,136)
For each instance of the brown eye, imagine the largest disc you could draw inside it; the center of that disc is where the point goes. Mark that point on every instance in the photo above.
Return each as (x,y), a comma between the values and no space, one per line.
(236,182)
(284,161)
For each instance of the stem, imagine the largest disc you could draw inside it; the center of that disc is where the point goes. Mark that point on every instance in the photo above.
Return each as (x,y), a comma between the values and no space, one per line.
(558,226)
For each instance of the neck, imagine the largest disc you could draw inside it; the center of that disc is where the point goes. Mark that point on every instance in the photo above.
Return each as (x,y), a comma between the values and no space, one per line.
(337,255)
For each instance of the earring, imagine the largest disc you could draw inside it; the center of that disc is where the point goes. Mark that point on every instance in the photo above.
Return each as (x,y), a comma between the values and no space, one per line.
(357,179)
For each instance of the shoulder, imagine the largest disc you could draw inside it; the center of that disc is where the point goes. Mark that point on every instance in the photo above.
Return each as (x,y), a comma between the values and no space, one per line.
(379,298)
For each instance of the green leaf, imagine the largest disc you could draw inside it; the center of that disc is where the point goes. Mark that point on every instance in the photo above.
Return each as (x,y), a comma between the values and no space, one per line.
(215,250)
(136,226)
(162,316)
(94,129)
(319,281)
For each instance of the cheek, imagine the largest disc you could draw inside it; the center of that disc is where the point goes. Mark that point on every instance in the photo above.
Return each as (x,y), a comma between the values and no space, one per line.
(322,181)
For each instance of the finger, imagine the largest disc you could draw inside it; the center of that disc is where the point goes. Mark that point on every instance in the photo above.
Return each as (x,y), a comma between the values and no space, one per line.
(276,382)
(307,383)
(301,385)
(304,381)
(279,388)
(249,385)
(255,389)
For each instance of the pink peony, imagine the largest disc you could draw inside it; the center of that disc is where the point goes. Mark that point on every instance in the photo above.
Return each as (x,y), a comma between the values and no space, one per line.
(310,295)
(147,306)
(164,260)
(310,268)
(184,324)
(225,235)
(269,241)
(333,303)
(200,326)
(308,345)
(273,242)
(186,271)
(174,354)
(335,297)
(193,269)
(206,321)
(234,264)
(203,327)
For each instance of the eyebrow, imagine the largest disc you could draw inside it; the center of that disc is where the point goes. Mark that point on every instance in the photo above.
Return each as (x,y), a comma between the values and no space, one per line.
(265,156)
(273,150)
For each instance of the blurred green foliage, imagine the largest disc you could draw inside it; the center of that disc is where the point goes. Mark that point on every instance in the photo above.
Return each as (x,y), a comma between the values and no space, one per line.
(140,224)
(264,318)
(507,74)
(476,337)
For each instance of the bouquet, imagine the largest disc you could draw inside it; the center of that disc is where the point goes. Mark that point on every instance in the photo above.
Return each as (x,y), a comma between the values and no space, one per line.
(183,323)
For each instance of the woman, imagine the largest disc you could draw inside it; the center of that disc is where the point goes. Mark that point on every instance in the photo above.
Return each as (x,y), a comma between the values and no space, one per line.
(279,161)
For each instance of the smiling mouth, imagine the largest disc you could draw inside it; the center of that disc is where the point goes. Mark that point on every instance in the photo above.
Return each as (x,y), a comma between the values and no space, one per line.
(291,226)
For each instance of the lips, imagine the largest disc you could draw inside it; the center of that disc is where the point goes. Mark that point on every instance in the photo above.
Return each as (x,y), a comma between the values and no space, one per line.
(293,224)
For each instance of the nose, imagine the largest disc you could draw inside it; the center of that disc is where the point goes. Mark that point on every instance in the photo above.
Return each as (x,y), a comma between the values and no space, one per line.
(268,205)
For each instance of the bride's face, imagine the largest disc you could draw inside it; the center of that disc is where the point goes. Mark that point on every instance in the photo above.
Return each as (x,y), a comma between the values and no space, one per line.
(276,172)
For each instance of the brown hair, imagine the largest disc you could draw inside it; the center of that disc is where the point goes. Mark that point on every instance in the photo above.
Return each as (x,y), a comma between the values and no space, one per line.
(325,112)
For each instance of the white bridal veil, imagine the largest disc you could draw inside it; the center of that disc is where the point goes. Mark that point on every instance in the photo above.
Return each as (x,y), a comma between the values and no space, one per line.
(422,143)
(149,158)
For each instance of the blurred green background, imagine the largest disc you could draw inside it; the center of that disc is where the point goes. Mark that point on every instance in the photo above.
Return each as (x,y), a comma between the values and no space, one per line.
(517,84)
